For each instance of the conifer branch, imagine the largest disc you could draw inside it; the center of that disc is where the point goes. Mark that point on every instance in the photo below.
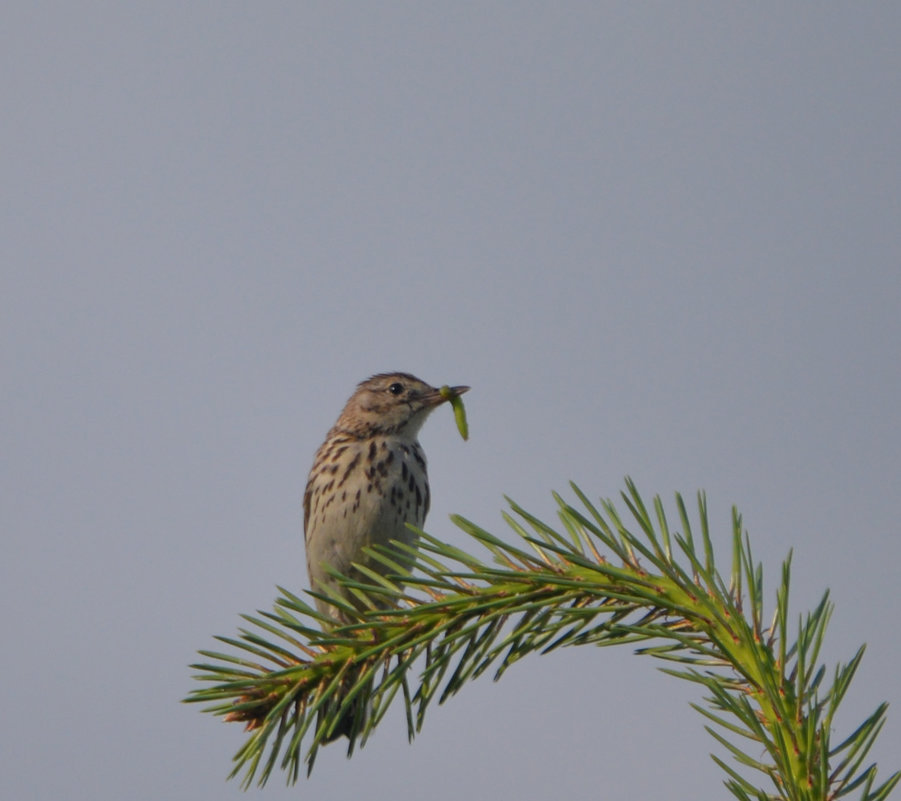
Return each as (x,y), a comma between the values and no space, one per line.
(454,616)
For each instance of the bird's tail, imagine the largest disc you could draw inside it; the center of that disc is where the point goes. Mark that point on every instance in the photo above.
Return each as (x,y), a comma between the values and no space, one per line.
(352,721)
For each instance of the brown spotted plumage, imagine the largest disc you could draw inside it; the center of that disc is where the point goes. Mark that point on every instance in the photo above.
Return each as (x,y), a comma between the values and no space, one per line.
(368,481)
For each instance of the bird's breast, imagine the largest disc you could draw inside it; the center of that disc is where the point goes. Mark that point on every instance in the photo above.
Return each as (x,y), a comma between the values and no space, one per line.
(366,497)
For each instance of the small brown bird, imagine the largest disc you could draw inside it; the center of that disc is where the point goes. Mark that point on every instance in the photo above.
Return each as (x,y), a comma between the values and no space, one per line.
(367,482)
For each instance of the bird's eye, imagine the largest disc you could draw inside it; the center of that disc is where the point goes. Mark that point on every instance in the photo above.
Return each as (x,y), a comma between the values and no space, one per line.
(396,389)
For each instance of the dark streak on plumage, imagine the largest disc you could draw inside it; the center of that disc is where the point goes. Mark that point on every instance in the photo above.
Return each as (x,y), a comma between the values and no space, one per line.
(350,469)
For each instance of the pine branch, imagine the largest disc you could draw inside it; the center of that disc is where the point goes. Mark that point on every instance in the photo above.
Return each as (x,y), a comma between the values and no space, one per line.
(454,616)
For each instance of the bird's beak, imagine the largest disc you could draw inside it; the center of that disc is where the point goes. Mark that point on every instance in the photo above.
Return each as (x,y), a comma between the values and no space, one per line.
(435,397)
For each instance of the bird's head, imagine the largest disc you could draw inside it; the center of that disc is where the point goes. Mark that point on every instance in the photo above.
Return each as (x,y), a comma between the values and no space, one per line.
(391,403)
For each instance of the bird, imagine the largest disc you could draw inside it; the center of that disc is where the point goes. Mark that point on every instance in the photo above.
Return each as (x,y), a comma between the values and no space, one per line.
(367,483)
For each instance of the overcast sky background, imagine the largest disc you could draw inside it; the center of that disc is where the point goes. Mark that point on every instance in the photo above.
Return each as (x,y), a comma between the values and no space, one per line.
(657,239)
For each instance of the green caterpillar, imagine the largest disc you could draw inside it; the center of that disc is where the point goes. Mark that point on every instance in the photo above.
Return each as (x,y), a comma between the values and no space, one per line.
(459,410)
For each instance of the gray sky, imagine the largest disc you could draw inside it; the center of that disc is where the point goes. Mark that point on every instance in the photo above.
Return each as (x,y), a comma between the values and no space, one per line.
(657,239)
